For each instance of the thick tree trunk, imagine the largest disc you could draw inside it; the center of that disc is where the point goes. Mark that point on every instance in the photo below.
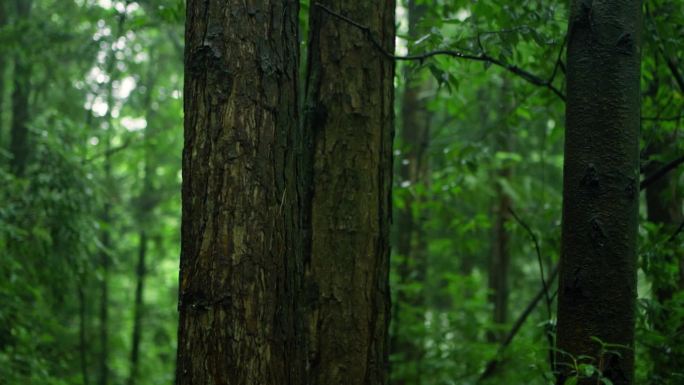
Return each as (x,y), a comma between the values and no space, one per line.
(240,254)
(597,289)
(408,308)
(349,127)
(19,135)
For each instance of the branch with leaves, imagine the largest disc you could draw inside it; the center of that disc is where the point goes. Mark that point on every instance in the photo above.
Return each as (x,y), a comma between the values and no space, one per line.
(481,57)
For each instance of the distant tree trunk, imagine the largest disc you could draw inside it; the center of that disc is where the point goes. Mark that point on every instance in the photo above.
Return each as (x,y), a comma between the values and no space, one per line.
(145,206)
(105,239)
(3,69)
(82,332)
(349,127)
(597,289)
(500,257)
(19,135)
(410,238)
(664,208)
(138,309)
(240,246)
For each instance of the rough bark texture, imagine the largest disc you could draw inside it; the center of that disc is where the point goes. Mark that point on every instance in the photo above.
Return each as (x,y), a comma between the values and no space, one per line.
(240,255)
(410,240)
(19,134)
(600,199)
(349,128)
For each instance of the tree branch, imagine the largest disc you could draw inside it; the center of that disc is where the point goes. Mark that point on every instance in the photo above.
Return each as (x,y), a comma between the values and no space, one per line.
(493,364)
(527,228)
(482,57)
(661,173)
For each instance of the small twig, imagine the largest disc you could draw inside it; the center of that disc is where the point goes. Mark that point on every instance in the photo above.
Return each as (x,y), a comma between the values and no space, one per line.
(482,57)
(676,232)
(539,257)
(661,173)
(493,364)
(559,60)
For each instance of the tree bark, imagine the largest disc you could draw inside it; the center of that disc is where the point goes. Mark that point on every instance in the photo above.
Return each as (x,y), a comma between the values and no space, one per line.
(19,134)
(240,246)
(597,289)
(348,129)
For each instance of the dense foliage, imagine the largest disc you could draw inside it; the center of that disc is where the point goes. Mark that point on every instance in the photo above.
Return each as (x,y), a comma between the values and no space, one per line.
(90,203)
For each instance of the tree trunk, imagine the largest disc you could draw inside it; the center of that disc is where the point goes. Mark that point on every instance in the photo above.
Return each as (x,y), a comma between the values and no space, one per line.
(138,310)
(82,332)
(146,204)
(349,127)
(3,70)
(664,208)
(408,308)
(597,289)
(240,251)
(500,258)
(19,135)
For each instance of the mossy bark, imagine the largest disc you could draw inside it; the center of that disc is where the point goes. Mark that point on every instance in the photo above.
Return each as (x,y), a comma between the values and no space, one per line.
(240,254)
(597,289)
(348,128)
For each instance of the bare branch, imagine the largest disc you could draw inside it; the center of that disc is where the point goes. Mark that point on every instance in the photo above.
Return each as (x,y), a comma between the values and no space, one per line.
(661,172)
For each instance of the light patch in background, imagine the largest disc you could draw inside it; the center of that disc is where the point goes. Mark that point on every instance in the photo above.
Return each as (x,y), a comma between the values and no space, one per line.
(124,87)
(133,124)
(463,14)
(400,44)
(96,75)
(97,105)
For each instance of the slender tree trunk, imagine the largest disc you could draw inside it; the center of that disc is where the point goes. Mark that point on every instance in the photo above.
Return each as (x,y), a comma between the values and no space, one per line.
(500,256)
(105,239)
(408,309)
(3,70)
(146,205)
(349,125)
(241,251)
(82,331)
(499,259)
(138,310)
(597,289)
(19,135)
(664,208)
